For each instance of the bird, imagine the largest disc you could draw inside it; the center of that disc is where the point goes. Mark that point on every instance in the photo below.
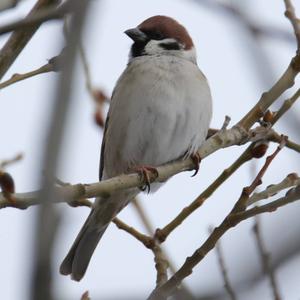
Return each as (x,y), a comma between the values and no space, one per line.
(160,111)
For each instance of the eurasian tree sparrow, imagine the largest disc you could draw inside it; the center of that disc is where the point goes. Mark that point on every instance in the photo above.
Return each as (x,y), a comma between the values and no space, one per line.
(160,111)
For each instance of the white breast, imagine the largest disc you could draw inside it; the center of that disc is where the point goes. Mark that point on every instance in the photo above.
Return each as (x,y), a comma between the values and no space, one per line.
(160,111)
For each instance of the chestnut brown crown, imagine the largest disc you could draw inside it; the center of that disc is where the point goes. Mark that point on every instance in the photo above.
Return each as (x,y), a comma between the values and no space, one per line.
(161,27)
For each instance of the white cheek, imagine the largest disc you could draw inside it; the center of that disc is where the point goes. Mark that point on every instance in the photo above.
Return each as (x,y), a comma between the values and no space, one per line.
(153,47)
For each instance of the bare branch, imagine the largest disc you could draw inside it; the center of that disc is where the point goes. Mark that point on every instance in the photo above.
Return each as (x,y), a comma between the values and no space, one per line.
(53,65)
(39,17)
(275,137)
(291,196)
(220,140)
(146,240)
(19,38)
(291,15)
(186,269)
(19,77)
(226,123)
(286,106)
(268,98)
(161,263)
(258,179)
(291,180)
(6,162)
(162,234)
(86,69)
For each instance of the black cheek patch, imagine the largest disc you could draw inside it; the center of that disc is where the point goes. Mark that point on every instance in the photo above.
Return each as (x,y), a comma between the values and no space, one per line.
(138,49)
(170,46)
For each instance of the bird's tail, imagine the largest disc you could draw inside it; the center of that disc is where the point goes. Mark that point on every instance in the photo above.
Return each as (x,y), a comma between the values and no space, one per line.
(79,256)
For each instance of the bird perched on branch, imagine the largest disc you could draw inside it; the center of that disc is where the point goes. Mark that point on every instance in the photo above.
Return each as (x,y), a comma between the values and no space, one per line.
(160,111)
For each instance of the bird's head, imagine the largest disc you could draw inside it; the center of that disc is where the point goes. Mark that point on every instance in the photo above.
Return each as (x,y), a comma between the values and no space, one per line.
(161,35)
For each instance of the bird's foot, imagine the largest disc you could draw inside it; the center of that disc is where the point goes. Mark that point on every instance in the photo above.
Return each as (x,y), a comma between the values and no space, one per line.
(148,174)
(196,158)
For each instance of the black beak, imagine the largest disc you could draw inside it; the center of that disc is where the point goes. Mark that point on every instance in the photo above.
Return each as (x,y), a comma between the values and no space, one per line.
(136,35)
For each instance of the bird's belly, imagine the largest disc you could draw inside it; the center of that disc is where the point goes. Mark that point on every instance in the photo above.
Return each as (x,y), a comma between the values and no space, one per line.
(155,135)
(163,117)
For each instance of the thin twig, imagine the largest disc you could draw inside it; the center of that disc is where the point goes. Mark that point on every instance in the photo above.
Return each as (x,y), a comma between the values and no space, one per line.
(265,259)
(286,106)
(275,137)
(19,77)
(258,179)
(150,230)
(286,81)
(86,69)
(19,38)
(291,196)
(291,180)
(53,65)
(4,163)
(162,234)
(226,123)
(161,263)
(291,15)
(39,17)
(146,240)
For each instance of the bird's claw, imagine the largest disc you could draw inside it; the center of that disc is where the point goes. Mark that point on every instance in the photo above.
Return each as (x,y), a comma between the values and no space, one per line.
(196,158)
(147,173)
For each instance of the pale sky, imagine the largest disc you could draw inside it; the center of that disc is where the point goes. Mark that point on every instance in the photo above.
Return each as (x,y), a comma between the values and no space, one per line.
(121,266)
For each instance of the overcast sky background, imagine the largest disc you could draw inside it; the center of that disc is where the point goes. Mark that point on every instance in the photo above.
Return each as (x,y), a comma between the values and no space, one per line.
(121,265)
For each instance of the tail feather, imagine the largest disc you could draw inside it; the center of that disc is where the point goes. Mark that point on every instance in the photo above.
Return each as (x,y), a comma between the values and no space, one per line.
(79,256)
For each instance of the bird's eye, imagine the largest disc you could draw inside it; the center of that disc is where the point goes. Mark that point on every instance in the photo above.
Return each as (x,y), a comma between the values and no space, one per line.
(154,35)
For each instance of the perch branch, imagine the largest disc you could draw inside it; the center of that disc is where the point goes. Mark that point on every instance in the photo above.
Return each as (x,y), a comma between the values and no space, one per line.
(220,140)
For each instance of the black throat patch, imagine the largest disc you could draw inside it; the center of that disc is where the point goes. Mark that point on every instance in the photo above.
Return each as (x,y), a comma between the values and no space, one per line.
(138,49)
